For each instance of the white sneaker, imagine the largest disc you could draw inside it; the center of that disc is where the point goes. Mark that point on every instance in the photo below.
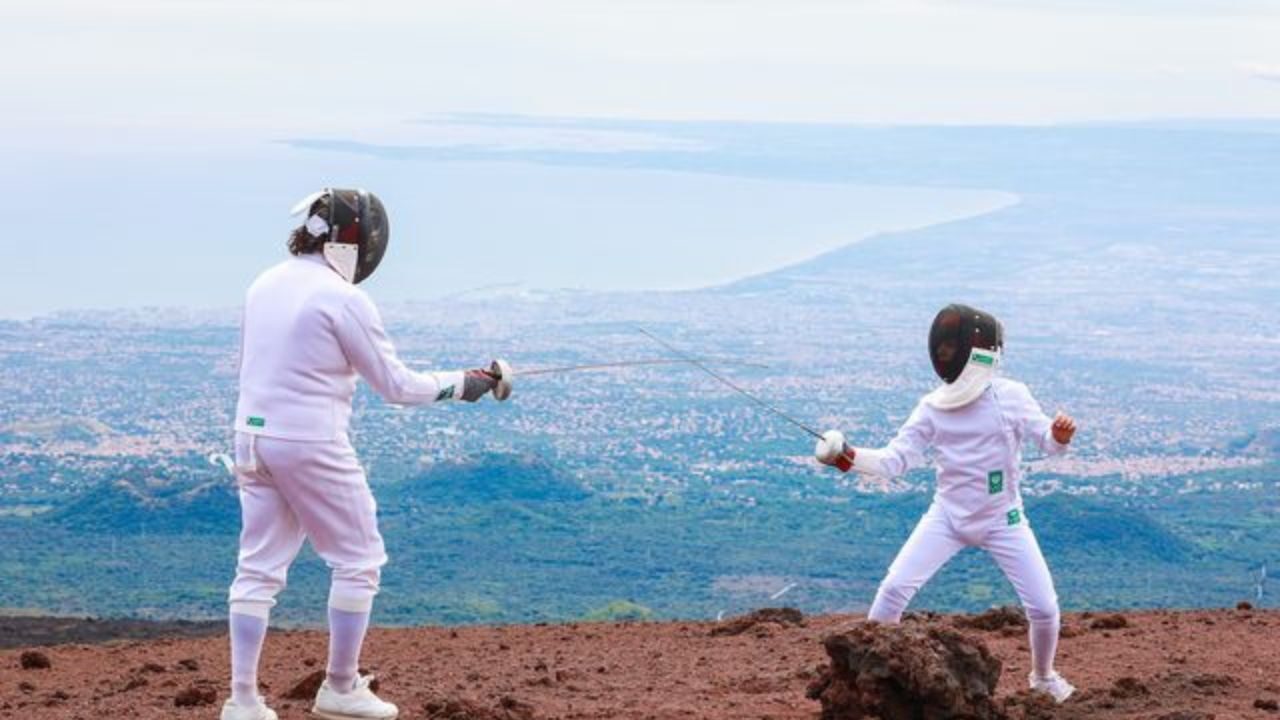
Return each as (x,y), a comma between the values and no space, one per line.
(1056,685)
(359,704)
(232,711)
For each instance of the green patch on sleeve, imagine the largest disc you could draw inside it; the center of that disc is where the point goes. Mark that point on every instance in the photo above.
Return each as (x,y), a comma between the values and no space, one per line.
(995,482)
(256,422)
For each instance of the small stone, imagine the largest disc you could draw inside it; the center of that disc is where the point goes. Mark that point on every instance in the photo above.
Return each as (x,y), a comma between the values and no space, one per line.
(35,660)
(195,696)
(1129,687)
(1109,622)
(135,683)
(307,687)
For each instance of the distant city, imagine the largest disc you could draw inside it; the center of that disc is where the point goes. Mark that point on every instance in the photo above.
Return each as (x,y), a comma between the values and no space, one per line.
(1135,278)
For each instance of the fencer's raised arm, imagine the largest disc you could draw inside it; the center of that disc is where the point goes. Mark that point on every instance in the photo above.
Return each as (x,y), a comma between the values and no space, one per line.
(365,342)
(904,452)
(1034,424)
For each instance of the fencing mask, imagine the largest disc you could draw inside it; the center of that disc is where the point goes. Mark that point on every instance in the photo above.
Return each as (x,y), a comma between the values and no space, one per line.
(965,345)
(355,225)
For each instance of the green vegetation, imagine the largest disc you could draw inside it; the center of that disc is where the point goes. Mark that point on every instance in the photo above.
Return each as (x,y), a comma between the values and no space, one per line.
(551,552)
(619,611)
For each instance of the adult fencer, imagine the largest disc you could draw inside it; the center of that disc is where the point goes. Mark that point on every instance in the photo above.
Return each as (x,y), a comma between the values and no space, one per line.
(975,423)
(308,331)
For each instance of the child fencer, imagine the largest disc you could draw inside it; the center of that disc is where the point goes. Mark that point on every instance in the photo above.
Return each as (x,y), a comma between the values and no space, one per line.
(975,424)
(308,331)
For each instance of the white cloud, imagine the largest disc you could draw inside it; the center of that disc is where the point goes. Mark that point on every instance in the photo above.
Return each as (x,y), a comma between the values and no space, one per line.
(288,67)
(1259,71)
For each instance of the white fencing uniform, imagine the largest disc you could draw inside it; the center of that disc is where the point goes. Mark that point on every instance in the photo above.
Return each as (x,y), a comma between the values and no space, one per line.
(977,503)
(306,335)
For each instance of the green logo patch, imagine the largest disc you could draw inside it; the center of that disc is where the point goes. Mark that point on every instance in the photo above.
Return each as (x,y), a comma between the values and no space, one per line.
(445,394)
(1014,516)
(995,482)
(256,422)
(982,358)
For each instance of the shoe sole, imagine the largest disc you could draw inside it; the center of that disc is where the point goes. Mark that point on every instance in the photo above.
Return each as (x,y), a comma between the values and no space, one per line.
(339,716)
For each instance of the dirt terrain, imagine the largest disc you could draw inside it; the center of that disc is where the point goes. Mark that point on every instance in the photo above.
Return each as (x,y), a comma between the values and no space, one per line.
(1151,665)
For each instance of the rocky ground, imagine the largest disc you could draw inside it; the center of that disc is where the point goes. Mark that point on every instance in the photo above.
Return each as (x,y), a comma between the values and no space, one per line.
(1151,665)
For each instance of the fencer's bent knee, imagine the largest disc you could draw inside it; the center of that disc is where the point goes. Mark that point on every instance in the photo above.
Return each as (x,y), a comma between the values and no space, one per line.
(253,592)
(1043,610)
(353,587)
(365,578)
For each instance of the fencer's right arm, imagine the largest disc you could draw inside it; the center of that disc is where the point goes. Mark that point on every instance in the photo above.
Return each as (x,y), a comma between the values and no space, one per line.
(903,453)
(365,342)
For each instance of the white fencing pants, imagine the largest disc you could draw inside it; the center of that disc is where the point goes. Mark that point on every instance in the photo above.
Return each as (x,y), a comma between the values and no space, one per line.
(1015,550)
(294,491)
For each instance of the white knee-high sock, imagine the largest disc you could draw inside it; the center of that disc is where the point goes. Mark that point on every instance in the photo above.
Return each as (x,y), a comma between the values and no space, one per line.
(248,632)
(346,636)
(1044,645)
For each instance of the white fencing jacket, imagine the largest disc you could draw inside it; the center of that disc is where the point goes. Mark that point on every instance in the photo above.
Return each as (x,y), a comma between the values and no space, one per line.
(305,336)
(978,451)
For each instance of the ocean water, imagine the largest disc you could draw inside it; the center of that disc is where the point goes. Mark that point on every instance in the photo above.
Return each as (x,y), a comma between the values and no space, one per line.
(175,225)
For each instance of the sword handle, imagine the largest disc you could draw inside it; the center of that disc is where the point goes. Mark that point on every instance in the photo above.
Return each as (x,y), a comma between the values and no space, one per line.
(501,371)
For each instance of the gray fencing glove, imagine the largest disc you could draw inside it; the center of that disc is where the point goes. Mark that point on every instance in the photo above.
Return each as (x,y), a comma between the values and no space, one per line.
(476,384)
(496,379)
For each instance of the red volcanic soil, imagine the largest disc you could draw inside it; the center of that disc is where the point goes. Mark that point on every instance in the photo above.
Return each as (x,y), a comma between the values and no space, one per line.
(1149,665)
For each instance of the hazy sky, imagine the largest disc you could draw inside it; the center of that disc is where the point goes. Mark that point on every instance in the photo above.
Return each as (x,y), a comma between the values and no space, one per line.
(140,137)
(150,69)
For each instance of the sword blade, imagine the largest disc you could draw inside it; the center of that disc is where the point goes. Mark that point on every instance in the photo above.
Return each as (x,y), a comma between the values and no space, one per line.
(620,364)
(728,383)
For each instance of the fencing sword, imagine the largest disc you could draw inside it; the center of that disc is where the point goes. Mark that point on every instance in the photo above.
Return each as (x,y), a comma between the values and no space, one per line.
(504,373)
(622,364)
(843,461)
(731,384)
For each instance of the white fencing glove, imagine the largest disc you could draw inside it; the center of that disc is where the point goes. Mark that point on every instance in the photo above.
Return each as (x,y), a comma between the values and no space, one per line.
(834,451)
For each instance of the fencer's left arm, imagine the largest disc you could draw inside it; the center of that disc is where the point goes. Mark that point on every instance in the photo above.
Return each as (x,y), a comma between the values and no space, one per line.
(1036,425)
(365,342)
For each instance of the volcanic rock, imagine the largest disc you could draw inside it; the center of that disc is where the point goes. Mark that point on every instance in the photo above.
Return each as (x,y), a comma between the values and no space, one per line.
(1128,687)
(996,618)
(196,696)
(907,672)
(781,617)
(1029,705)
(507,708)
(308,686)
(1109,622)
(34,660)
